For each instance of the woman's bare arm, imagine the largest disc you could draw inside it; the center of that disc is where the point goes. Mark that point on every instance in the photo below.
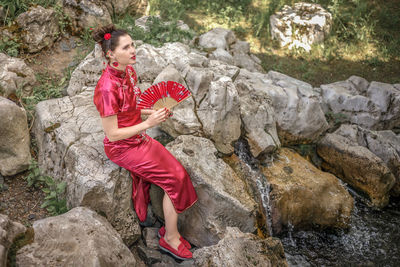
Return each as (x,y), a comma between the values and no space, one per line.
(110,125)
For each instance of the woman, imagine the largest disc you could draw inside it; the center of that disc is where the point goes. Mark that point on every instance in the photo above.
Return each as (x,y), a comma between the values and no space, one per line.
(127,144)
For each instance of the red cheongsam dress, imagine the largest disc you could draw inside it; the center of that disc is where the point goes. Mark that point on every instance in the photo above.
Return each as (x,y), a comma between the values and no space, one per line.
(144,157)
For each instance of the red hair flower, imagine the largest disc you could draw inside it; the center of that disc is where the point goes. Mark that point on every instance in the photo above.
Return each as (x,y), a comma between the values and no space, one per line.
(107,36)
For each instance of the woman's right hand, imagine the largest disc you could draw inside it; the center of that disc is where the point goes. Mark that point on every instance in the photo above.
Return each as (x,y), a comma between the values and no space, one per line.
(157,117)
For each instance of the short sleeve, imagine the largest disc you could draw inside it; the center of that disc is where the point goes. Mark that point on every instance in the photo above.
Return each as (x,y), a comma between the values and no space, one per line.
(106,102)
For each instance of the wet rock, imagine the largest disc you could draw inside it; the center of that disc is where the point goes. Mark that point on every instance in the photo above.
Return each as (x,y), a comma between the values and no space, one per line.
(303,196)
(15,153)
(355,164)
(70,142)
(9,230)
(241,249)
(15,75)
(301,25)
(39,28)
(222,201)
(79,237)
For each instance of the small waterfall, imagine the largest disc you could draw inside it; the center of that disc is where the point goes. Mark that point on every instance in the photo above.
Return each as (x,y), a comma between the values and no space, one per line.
(250,163)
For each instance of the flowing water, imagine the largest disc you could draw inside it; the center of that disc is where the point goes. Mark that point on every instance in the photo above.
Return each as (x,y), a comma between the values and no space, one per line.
(372,240)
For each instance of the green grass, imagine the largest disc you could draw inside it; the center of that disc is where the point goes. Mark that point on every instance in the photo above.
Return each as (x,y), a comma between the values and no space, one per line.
(364,39)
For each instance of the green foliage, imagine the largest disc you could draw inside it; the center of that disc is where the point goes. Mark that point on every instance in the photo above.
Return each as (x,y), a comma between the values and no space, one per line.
(64,21)
(159,31)
(168,9)
(13,8)
(54,201)
(9,46)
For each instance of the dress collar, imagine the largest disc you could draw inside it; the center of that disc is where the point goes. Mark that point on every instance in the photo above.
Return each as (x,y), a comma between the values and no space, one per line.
(115,72)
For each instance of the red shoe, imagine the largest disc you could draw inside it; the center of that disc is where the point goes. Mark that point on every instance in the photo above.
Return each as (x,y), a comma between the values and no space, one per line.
(161,233)
(182,253)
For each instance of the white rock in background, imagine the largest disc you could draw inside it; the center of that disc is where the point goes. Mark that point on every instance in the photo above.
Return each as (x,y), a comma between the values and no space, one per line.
(300,26)
(79,237)
(9,230)
(14,75)
(15,154)
(39,28)
(70,141)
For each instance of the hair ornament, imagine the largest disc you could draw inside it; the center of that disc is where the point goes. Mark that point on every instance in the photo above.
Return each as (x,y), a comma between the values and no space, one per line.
(107,36)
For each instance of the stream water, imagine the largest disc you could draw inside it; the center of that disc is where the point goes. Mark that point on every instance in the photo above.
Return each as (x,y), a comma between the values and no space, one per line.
(373,238)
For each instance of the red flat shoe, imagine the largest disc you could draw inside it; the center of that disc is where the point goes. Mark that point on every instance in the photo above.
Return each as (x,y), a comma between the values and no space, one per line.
(181,254)
(161,233)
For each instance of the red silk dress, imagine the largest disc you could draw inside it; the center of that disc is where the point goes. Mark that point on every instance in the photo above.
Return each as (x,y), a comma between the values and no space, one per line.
(145,158)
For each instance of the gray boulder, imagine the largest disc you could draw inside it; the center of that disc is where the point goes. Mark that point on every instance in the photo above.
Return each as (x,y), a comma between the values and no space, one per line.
(70,142)
(15,75)
(241,249)
(217,38)
(39,28)
(9,230)
(15,153)
(79,237)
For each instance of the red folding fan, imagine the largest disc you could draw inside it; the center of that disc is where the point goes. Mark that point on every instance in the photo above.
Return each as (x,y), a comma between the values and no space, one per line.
(163,95)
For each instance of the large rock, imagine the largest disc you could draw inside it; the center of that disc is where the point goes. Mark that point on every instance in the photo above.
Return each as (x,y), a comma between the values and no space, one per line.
(243,58)
(384,144)
(9,230)
(121,7)
(258,117)
(217,38)
(303,196)
(184,120)
(15,75)
(219,114)
(86,13)
(298,114)
(79,237)
(70,141)
(222,201)
(355,164)
(301,25)
(88,71)
(15,153)
(39,28)
(371,105)
(149,63)
(241,249)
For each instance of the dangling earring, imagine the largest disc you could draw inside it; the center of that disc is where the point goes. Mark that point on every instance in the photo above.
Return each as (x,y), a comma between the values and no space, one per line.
(115,64)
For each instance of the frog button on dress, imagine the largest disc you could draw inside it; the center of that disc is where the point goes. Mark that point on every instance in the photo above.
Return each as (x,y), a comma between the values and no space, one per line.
(144,157)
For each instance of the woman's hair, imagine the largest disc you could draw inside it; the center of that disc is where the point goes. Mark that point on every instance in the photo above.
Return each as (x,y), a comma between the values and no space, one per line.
(110,44)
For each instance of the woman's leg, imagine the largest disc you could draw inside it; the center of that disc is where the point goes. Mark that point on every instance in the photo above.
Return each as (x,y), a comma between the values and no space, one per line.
(171,223)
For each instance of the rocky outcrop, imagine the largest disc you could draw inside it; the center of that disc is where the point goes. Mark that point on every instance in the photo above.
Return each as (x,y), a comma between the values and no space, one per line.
(222,199)
(39,28)
(84,14)
(121,7)
(303,196)
(241,249)
(372,105)
(15,75)
(15,153)
(345,153)
(9,230)
(88,72)
(301,25)
(79,237)
(70,141)
(222,45)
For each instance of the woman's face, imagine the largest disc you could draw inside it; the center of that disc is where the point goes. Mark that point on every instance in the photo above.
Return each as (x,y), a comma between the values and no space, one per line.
(125,52)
